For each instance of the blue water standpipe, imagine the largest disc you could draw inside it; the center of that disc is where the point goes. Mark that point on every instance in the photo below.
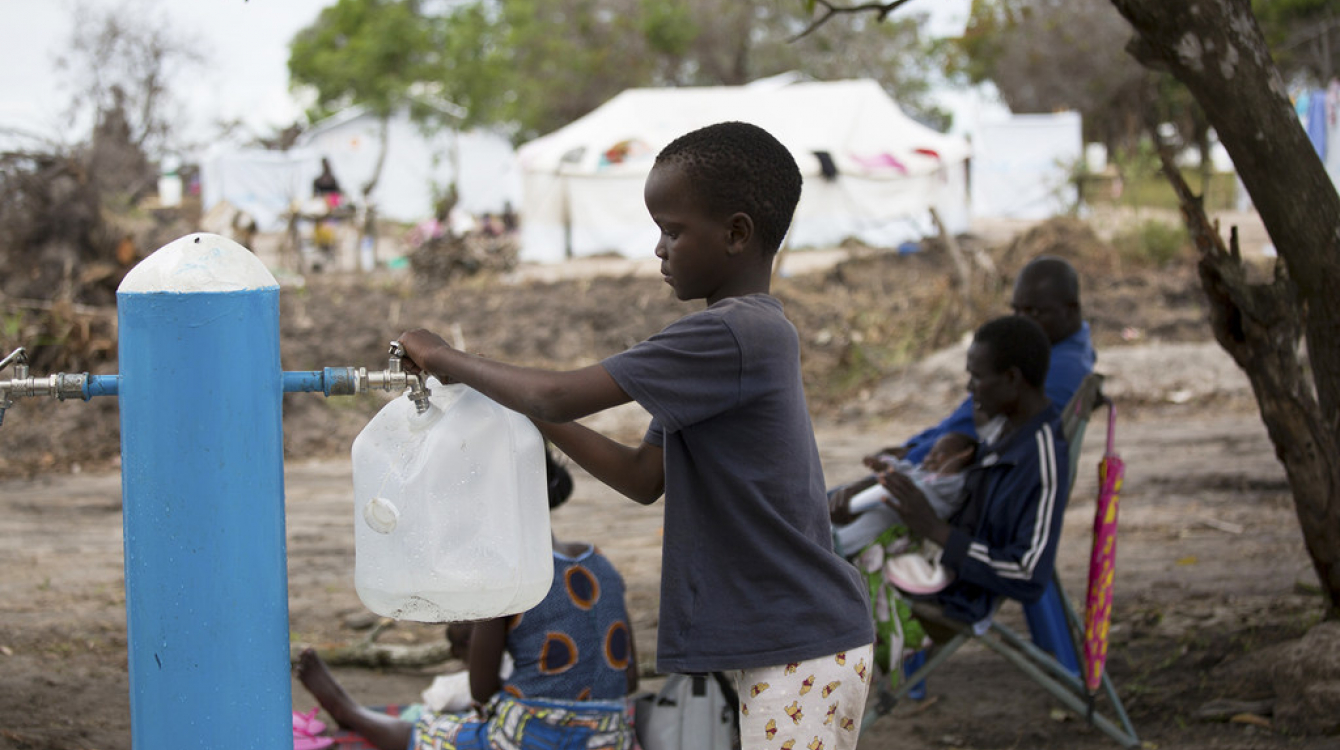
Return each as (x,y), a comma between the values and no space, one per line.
(200,392)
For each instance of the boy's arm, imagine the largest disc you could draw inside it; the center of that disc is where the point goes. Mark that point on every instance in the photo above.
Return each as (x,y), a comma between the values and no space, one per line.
(543,395)
(638,473)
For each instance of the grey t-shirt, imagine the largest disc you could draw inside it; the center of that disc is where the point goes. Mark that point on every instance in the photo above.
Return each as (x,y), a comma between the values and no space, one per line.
(748,573)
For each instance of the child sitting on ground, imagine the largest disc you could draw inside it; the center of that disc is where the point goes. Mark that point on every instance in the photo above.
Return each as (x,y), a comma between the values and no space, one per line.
(750,584)
(574,659)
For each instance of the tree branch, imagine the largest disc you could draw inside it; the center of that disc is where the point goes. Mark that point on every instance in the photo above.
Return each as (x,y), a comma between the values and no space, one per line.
(881,11)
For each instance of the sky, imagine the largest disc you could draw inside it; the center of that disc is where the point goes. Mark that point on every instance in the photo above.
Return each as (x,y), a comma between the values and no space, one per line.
(245,43)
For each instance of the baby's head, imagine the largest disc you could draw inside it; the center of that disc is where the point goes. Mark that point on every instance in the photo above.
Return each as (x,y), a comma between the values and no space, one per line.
(736,167)
(952,452)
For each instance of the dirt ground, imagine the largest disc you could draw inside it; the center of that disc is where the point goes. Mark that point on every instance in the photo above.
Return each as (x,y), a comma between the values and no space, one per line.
(1212,579)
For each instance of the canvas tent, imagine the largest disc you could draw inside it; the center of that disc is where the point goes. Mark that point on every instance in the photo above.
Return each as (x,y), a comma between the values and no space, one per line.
(417,169)
(1022,165)
(263,184)
(582,184)
(419,164)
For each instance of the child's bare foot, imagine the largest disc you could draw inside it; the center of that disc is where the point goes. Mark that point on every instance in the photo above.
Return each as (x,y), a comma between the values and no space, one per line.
(316,677)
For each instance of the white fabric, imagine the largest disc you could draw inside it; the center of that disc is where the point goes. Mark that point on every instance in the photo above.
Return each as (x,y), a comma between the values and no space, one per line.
(582,184)
(419,165)
(263,184)
(418,169)
(450,693)
(1021,166)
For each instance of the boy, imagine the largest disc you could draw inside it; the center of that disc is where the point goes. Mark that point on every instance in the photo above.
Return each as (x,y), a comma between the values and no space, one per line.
(750,584)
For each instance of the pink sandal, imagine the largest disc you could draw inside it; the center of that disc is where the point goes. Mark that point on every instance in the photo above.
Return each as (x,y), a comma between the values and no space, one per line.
(306,731)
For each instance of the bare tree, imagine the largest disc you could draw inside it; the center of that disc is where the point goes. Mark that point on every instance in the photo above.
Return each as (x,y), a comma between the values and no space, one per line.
(120,64)
(1218,52)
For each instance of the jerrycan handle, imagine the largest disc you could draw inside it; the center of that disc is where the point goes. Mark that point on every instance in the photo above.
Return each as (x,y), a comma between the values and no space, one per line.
(418,393)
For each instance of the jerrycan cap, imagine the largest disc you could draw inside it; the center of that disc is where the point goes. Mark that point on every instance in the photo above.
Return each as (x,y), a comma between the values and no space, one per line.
(381,515)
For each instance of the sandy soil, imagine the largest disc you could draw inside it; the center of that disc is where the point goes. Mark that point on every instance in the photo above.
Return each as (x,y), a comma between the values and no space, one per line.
(1212,575)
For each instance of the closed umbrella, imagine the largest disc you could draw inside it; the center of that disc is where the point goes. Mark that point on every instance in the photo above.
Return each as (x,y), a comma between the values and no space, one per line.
(1103,559)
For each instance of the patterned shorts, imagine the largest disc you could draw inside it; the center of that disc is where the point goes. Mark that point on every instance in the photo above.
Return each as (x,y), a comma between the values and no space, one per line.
(808,705)
(522,724)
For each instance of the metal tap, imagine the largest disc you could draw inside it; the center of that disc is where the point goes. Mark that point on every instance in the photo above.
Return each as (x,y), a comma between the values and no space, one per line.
(418,392)
(60,386)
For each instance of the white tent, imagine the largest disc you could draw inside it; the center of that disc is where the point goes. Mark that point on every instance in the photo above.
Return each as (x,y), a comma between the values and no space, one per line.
(582,184)
(419,165)
(264,184)
(1022,165)
(418,168)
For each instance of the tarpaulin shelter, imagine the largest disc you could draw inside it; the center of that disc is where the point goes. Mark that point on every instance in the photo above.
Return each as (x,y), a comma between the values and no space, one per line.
(871,172)
(1023,165)
(418,167)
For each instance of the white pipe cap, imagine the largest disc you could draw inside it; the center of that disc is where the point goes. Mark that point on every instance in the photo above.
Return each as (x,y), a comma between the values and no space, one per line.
(199,263)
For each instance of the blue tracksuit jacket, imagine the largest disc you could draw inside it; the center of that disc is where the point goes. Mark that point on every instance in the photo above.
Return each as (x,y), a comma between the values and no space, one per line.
(1005,535)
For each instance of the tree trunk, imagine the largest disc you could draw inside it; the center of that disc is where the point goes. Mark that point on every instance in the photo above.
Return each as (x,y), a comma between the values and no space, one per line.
(1216,49)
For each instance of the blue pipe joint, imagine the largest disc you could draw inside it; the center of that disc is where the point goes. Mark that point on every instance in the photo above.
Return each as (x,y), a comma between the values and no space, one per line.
(101,385)
(332,381)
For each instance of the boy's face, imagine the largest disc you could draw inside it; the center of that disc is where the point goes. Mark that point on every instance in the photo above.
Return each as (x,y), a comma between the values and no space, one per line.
(993,393)
(694,247)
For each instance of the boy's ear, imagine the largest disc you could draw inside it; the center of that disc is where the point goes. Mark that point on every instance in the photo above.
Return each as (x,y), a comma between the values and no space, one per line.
(739,232)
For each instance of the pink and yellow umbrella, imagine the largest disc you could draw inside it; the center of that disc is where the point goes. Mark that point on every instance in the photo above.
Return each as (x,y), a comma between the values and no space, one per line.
(1103,559)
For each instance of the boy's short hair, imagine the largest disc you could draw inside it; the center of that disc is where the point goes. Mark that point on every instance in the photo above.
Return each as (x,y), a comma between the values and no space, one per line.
(1016,341)
(739,167)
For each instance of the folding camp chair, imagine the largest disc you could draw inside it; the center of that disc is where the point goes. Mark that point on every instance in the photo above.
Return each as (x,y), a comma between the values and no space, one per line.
(1055,628)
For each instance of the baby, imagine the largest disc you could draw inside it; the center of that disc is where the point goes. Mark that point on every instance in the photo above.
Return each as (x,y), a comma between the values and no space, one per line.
(939,476)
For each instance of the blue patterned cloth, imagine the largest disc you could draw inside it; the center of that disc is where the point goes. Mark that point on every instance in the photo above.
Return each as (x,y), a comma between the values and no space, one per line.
(536,724)
(577,643)
(567,690)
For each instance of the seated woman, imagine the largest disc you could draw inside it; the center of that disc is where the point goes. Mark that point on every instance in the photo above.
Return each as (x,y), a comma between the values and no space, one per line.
(574,663)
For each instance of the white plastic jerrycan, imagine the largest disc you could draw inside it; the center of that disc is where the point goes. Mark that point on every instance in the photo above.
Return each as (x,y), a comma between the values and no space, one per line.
(451,511)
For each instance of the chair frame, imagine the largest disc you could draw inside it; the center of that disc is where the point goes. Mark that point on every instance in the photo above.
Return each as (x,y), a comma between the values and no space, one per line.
(1040,666)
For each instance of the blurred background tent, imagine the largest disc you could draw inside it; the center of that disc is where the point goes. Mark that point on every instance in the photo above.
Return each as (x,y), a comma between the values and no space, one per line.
(1023,165)
(418,170)
(871,172)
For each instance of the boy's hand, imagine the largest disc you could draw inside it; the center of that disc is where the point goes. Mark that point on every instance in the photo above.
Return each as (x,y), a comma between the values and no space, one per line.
(419,345)
(913,507)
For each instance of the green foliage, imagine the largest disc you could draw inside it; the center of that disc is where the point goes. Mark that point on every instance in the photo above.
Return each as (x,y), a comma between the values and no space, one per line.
(1152,243)
(533,66)
(1304,37)
(365,52)
(668,27)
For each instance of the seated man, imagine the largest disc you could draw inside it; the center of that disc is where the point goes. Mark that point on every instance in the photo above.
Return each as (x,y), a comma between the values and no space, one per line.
(1047,291)
(1002,541)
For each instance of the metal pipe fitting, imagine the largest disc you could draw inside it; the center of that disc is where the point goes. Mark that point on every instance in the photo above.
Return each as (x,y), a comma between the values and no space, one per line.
(59,386)
(418,392)
(349,381)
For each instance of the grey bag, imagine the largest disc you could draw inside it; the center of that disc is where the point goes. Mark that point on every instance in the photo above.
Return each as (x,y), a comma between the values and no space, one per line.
(691,712)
